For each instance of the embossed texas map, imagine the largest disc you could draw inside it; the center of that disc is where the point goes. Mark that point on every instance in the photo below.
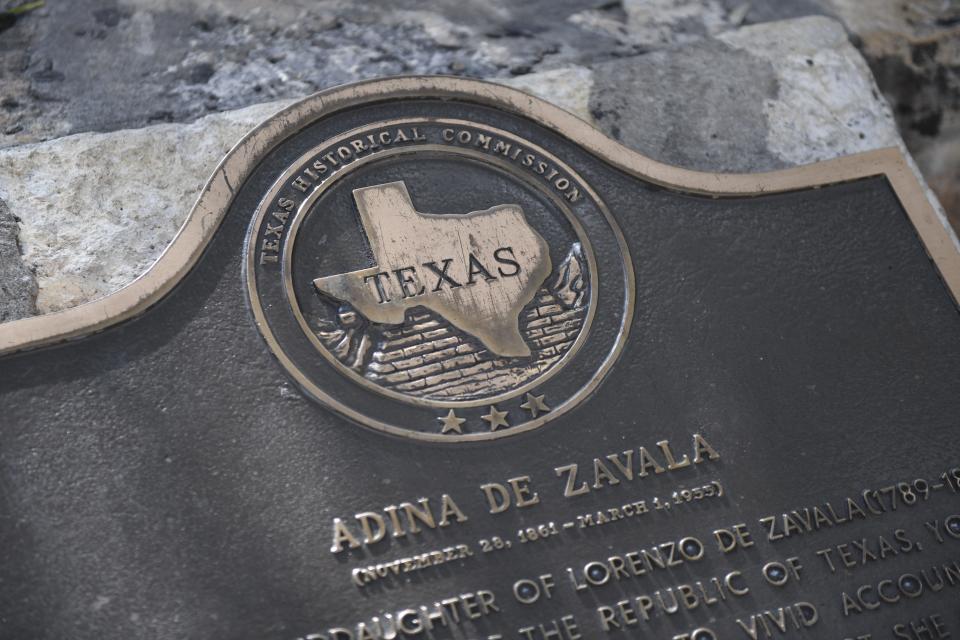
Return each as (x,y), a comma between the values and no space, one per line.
(478,270)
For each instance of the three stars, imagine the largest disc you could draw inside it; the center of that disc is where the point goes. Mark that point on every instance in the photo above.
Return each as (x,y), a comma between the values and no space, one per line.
(495,417)
(535,405)
(451,422)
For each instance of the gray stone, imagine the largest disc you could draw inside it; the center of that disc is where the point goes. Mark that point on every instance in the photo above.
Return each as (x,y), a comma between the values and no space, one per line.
(659,22)
(758,98)
(656,23)
(103,65)
(700,106)
(97,208)
(569,88)
(913,49)
(18,287)
(939,161)
(827,103)
(755,99)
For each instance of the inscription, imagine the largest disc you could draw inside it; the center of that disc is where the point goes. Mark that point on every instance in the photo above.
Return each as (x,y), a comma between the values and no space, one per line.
(930,627)
(615,468)
(363,576)
(446,613)
(671,600)
(397,521)
(902,588)
(350,151)
(460,303)
(858,553)
(412,325)
(514,151)
(454,265)
(414,517)
(635,564)
(870,503)
(650,568)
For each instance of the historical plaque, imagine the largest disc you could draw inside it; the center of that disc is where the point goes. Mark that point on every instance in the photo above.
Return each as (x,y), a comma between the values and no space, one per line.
(433,359)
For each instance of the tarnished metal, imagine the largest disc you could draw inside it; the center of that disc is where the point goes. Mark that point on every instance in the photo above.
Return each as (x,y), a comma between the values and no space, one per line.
(433,359)
(439,312)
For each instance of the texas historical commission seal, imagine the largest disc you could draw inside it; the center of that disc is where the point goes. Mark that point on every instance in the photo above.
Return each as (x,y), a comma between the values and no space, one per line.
(439,278)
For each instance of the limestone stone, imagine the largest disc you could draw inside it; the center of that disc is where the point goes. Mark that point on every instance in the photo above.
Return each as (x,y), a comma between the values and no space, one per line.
(18,287)
(941,163)
(96,209)
(183,59)
(913,49)
(827,103)
(568,88)
(103,65)
(659,22)
(699,106)
(758,98)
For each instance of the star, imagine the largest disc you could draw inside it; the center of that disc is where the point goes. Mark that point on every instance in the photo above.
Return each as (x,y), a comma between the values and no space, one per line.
(496,418)
(451,422)
(535,405)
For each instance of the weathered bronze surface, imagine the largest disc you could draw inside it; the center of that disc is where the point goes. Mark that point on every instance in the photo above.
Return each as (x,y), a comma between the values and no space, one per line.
(433,359)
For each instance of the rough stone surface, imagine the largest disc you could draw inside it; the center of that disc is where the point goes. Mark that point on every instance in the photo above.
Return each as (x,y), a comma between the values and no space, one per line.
(96,210)
(101,65)
(683,81)
(18,287)
(659,22)
(914,50)
(759,98)
(827,103)
(569,88)
(700,106)
(91,222)
(940,163)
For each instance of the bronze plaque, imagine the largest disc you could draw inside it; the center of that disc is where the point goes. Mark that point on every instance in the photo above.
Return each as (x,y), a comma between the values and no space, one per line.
(431,358)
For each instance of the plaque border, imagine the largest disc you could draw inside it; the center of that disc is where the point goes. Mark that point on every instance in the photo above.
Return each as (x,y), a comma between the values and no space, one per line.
(217,195)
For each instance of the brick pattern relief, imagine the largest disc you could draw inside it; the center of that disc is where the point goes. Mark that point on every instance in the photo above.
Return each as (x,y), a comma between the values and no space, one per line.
(427,357)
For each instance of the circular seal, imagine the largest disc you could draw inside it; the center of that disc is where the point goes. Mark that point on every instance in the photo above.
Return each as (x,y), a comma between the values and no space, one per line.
(439,278)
